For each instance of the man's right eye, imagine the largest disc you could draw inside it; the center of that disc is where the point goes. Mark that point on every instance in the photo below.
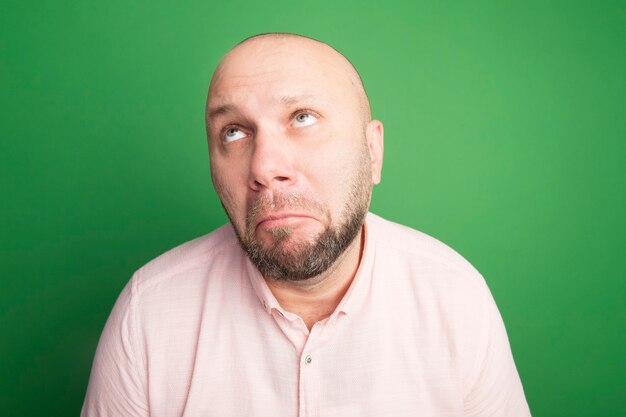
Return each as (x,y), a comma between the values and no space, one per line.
(232,134)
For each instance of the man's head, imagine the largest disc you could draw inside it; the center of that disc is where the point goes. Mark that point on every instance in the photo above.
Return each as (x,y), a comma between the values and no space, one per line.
(294,152)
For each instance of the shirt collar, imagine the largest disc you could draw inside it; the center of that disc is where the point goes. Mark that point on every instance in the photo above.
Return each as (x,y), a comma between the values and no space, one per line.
(354,297)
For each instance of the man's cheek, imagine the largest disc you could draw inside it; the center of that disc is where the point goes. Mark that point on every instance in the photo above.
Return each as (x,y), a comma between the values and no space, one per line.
(234,211)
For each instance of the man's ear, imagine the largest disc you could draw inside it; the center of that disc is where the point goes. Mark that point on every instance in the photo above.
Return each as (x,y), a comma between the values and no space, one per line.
(375,135)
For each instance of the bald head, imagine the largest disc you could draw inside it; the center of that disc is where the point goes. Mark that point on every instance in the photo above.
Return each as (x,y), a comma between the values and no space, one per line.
(264,53)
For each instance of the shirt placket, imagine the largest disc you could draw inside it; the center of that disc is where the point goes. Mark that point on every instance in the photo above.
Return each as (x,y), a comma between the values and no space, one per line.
(309,386)
(306,344)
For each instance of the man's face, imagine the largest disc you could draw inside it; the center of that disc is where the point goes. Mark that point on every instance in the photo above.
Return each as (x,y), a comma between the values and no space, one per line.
(293,158)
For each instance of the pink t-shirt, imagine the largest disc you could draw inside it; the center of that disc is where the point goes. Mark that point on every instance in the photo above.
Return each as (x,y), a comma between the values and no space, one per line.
(197,332)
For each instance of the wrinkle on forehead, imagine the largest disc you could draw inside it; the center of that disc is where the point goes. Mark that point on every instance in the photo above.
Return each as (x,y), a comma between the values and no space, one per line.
(266,52)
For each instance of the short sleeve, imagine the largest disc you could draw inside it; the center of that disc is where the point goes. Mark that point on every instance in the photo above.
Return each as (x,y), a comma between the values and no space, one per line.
(117,385)
(497,391)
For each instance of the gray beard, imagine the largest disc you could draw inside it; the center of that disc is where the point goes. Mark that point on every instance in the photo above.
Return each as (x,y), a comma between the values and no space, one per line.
(307,259)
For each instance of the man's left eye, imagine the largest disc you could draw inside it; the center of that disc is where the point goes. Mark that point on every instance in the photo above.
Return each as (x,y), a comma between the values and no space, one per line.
(304,119)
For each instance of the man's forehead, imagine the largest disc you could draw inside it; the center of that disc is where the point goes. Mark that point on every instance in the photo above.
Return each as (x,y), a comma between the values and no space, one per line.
(280,69)
(281,85)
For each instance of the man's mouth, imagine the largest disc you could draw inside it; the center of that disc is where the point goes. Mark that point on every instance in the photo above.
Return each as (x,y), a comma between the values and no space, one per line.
(281,219)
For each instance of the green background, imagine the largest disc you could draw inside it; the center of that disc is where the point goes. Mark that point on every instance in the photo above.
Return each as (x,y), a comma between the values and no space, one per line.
(505,129)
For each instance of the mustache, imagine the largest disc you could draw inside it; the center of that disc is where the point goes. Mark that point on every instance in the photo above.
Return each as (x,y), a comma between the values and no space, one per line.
(278,202)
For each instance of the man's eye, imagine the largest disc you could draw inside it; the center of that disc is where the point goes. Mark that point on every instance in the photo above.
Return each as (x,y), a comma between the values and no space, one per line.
(232,134)
(304,119)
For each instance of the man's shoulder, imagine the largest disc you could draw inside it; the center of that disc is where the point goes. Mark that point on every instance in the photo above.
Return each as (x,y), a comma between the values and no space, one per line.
(415,245)
(189,256)
(430,270)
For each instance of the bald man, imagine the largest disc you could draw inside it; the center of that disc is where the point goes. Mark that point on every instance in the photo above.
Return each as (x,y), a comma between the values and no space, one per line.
(304,304)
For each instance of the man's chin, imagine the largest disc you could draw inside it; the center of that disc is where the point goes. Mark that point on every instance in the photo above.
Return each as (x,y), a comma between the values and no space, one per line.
(300,253)
(304,230)
(286,239)
(288,249)
(283,260)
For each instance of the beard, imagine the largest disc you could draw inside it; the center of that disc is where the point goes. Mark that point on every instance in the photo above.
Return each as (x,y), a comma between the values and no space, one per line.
(297,261)
(286,260)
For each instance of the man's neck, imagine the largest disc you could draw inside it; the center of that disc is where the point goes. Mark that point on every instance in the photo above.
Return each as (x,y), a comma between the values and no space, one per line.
(316,298)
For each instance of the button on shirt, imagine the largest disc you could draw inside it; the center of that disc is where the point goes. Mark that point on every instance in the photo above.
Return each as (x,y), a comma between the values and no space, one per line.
(197,332)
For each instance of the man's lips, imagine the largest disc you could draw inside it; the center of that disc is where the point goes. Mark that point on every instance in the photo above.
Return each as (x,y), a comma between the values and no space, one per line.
(281,219)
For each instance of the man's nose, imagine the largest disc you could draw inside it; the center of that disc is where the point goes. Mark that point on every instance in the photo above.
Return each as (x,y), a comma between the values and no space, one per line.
(270,164)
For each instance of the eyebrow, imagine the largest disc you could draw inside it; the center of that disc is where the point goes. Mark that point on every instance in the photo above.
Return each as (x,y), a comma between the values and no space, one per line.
(220,111)
(291,100)
(287,101)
